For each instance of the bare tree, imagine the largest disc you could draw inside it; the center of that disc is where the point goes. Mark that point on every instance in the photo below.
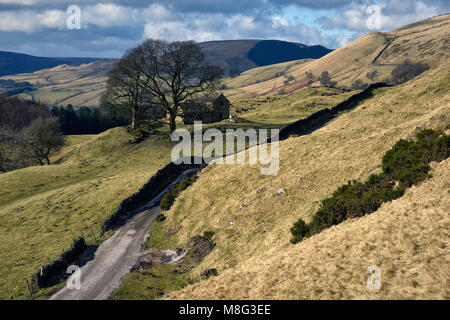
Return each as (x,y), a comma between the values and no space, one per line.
(13,151)
(175,72)
(43,137)
(126,83)
(325,80)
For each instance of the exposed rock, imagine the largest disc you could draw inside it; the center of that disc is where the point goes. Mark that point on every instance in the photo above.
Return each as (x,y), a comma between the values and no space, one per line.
(372,169)
(260,190)
(208,273)
(177,272)
(198,247)
(152,257)
(279,192)
(142,265)
(171,232)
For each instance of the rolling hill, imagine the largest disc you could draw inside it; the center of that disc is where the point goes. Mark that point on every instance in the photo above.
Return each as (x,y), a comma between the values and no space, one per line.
(237,56)
(66,81)
(81,85)
(425,41)
(407,238)
(378,53)
(14,63)
(44,207)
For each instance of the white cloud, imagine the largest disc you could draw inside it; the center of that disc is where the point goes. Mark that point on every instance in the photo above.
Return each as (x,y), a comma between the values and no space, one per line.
(278,22)
(394,14)
(30,21)
(109,15)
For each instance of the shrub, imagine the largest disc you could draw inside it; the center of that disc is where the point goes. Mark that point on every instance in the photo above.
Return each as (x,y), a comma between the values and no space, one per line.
(299,230)
(372,75)
(169,198)
(208,234)
(359,85)
(407,71)
(404,163)
(167,201)
(160,217)
(325,80)
(407,162)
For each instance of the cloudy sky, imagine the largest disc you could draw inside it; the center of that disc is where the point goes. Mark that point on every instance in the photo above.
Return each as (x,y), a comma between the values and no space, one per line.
(108,28)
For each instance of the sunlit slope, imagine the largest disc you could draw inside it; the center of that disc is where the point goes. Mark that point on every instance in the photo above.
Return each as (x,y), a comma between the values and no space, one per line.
(43,208)
(407,238)
(77,85)
(424,41)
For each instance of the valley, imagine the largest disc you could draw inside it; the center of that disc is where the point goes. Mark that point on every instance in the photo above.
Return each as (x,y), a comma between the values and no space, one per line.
(241,217)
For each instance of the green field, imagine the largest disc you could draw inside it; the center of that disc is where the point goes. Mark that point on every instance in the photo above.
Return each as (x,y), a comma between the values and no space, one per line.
(42,208)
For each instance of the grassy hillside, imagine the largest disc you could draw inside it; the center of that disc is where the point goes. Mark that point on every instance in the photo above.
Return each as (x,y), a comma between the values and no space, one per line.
(42,208)
(237,56)
(425,41)
(407,238)
(81,85)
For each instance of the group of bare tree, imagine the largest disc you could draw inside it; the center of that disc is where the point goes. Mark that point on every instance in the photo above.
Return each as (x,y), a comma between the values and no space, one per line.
(28,134)
(155,78)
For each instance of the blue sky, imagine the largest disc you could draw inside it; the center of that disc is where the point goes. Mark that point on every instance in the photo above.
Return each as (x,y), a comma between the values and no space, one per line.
(109,28)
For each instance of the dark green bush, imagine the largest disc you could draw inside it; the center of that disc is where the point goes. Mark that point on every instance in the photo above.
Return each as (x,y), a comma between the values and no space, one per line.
(407,163)
(208,234)
(299,230)
(167,201)
(160,217)
(169,198)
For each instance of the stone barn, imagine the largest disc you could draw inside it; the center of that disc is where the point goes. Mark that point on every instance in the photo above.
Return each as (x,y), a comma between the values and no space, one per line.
(213,110)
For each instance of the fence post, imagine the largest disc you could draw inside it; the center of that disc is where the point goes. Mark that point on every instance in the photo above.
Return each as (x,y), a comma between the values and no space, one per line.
(29,289)
(93,234)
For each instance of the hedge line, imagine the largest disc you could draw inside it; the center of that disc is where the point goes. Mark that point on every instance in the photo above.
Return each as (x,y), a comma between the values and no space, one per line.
(169,198)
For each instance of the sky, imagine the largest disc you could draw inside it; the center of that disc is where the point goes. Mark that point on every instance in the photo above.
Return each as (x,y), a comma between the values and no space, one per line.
(106,29)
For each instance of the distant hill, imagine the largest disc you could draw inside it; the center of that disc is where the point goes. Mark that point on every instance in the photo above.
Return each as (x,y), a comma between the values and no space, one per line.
(83,85)
(233,56)
(237,56)
(369,59)
(15,63)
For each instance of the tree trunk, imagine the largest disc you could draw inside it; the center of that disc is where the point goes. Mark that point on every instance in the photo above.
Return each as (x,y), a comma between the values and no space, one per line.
(48,160)
(133,118)
(173,125)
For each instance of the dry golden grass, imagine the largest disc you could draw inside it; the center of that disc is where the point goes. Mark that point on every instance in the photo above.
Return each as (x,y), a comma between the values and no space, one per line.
(407,238)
